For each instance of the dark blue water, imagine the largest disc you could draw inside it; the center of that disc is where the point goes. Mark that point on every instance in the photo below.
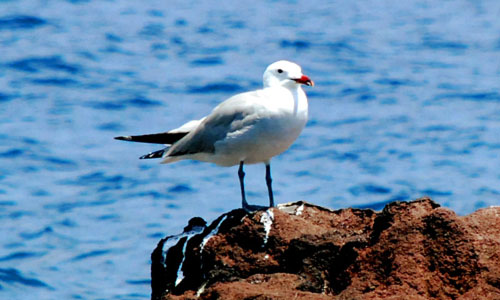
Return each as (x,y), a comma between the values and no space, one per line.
(406,105)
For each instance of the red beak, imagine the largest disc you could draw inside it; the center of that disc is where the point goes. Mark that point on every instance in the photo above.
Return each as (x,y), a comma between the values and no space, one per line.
(304,80)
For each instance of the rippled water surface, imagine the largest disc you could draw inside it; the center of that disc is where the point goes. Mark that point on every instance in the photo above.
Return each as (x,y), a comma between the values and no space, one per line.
(406,105)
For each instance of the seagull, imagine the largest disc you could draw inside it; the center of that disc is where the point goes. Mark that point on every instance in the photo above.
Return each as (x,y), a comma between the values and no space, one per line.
(247,128)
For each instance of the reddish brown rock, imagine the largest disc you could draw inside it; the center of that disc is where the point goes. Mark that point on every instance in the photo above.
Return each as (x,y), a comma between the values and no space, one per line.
(410,250)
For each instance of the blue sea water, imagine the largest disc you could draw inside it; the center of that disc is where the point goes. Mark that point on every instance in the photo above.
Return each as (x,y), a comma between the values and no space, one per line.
(406,104)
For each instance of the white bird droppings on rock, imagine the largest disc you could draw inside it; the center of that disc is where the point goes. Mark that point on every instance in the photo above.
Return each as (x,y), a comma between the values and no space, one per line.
(267,219)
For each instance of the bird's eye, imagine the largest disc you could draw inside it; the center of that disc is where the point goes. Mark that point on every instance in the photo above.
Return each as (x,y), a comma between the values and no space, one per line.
(280,71)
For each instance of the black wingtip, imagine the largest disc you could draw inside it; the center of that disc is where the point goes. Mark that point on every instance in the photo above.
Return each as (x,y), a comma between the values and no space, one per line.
(156,154)
(164,138)
(123,138)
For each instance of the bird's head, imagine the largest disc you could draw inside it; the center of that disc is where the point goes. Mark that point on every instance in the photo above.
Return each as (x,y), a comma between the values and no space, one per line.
(285,73)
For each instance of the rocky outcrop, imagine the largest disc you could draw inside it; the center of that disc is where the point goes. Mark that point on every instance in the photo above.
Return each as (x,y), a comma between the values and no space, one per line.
(410,250)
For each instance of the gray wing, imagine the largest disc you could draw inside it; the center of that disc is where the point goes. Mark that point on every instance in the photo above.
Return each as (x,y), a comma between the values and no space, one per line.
(232,115)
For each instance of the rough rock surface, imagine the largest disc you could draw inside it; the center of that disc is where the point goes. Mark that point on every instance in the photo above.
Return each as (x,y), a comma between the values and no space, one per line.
(410,250)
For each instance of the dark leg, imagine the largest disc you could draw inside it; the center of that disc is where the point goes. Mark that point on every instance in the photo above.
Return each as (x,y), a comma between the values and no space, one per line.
(269,180)
(241,175)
